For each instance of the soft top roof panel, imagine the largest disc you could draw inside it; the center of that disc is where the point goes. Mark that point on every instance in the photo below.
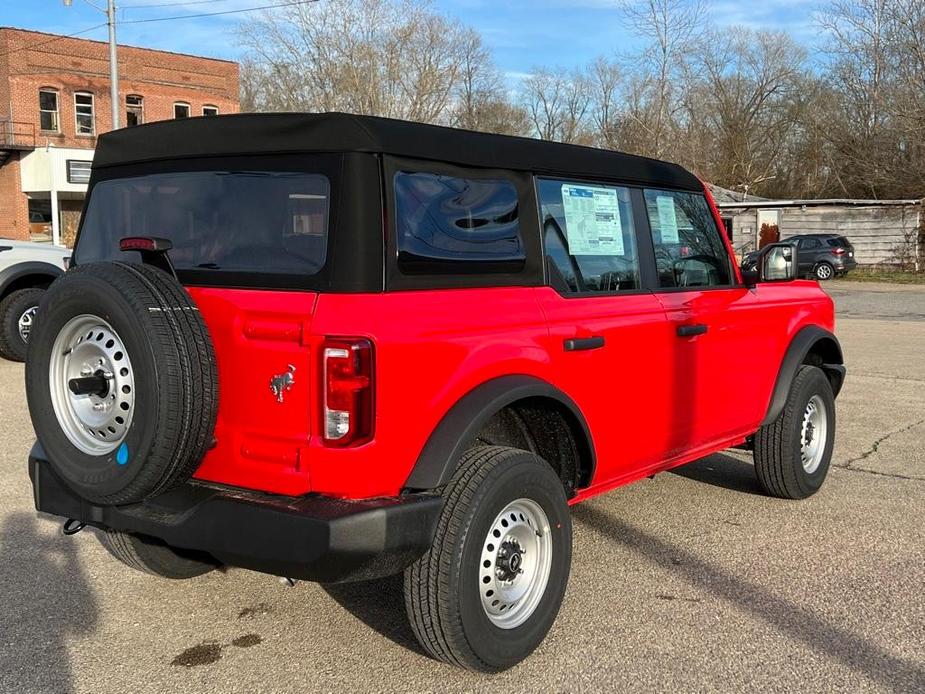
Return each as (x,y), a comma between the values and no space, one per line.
(276,133)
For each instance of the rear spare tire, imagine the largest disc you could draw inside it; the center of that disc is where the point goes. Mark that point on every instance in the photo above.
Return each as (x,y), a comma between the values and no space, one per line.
(121,382)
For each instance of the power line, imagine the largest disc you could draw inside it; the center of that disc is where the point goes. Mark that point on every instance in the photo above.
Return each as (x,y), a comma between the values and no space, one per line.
(215,14)
(180,3)
(32,46)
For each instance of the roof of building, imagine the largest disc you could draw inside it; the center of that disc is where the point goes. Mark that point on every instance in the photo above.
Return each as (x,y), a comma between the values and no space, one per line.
(273,133)
(106,44)
(723,196)
(820,202)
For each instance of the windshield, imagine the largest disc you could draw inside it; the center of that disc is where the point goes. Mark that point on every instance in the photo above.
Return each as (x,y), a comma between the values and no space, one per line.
(266,222)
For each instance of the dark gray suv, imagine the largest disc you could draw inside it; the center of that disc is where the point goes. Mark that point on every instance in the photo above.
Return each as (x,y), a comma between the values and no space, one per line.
(823,256)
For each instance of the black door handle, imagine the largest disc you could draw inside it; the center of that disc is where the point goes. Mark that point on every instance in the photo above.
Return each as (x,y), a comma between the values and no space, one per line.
(575,344)
(691,329)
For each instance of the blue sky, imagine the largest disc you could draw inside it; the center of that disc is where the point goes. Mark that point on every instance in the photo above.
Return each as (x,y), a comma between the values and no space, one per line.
(522,33)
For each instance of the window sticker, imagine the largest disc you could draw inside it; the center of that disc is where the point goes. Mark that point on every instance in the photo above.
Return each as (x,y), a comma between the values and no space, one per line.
(592,220)
(667,219)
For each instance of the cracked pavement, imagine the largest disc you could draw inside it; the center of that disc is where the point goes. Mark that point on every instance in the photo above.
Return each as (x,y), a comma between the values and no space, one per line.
(692,581)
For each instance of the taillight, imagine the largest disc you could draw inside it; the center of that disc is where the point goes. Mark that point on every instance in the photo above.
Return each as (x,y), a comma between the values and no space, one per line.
(347,391)
(839,251)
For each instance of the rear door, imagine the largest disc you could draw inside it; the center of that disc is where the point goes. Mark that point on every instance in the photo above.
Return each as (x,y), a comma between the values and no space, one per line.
(607,334)
(716,325)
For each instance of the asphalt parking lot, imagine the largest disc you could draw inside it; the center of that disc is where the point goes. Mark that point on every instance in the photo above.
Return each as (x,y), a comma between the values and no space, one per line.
(691,581)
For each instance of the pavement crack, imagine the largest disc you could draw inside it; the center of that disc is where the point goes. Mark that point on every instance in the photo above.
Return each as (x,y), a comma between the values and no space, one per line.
(889,377)
(875,446)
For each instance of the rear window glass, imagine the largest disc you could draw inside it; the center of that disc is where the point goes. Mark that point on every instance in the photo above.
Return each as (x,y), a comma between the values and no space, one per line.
(450,224)
(838,242)
(237,221)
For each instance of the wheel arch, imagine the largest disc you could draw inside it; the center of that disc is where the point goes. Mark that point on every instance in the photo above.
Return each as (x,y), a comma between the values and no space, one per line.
(26,275)
(811,345)
(480,407)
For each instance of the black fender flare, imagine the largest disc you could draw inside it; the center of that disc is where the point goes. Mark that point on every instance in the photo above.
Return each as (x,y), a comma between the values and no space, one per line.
(811,337)
(30,267)
(437,461)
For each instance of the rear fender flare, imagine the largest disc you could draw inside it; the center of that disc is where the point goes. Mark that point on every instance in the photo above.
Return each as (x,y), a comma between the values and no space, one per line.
(14,272)
(460,425)
(809,338)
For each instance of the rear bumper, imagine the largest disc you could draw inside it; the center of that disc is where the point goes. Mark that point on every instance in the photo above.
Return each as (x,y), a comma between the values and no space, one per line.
(311,538)
(845,264)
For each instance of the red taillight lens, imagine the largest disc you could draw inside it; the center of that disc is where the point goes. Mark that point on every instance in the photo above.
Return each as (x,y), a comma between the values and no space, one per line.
(839,251)
(347,394)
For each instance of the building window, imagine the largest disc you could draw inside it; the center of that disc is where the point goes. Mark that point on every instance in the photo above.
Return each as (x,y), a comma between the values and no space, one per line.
(134,110)
(48,110)
(181,110)
(83,111)
(210,110)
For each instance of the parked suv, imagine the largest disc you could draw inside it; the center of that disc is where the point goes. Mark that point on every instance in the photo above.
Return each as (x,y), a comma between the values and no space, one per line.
(26,270)
(335,348)
(822,256)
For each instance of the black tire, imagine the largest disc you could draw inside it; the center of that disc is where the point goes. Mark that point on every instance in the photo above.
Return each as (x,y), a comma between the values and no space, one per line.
(442,590)
(175,381)
(824,272)
(777,454)
(13,307)
(154,557)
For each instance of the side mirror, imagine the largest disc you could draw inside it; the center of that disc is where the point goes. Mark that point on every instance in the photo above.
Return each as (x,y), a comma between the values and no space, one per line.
(777,262)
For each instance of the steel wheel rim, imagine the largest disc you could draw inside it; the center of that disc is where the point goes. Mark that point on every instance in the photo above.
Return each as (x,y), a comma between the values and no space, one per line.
(813,434)
(25,323)
(95,423)
(515,563)
(824,272)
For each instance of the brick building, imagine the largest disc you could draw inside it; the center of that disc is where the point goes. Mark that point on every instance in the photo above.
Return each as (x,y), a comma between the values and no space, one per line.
(55,101)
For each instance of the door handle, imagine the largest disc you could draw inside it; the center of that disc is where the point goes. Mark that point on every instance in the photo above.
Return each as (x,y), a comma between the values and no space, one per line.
(576,344)
(691,329)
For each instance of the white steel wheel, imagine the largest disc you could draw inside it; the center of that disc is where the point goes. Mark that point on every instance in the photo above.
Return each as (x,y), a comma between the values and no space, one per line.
(515,563)
(813,434)
(92,384)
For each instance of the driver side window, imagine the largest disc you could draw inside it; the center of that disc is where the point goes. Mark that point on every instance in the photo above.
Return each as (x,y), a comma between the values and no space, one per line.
(689,251)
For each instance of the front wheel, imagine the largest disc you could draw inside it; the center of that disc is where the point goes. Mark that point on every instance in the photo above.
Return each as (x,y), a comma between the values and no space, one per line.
(489,589)
(824,272)
(792,453)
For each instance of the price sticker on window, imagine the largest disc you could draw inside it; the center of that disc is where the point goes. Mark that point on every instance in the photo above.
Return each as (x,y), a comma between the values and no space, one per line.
(592,220)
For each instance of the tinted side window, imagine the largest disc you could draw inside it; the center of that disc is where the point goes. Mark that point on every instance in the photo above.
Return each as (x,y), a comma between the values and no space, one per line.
(588,234)
(689,251)
(460,225)
(838,242)
(809,243)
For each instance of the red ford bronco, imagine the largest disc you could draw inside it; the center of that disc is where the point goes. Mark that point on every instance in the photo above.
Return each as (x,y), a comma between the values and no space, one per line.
(335,348)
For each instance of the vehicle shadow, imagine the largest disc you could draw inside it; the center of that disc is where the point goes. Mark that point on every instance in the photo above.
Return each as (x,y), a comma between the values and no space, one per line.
(722,470)
(795,621)
(379,604)
(46,600)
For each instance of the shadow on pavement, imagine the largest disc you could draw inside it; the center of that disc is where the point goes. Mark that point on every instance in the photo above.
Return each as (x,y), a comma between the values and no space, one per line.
(721,470)
(46,600)
(794,621)
(380,605)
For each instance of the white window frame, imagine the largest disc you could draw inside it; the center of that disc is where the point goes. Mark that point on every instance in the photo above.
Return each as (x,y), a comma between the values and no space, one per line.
(92,105)
(57,111)
(210,107)
(189,110)
(140,107)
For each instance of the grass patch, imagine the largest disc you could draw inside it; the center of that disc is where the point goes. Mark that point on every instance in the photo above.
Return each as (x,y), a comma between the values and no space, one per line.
(880,275)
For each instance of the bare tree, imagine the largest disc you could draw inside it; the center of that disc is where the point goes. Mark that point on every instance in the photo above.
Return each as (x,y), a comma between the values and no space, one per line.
(558,103)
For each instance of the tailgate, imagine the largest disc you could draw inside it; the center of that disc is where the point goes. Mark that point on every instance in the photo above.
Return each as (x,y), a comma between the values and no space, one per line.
(260,339)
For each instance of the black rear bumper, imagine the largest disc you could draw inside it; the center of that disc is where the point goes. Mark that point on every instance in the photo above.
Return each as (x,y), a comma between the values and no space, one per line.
(311,537)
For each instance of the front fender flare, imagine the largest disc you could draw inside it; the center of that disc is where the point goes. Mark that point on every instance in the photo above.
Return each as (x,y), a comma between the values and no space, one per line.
(808,338)
(30,267)
(437,462)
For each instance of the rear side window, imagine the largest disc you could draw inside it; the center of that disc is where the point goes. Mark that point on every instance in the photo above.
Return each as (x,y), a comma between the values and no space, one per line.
(460,225)
(588,235)
(689,251)
(838,242)
(264,222)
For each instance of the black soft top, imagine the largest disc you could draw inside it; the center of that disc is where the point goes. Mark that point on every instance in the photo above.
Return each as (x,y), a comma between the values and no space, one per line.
(277,133)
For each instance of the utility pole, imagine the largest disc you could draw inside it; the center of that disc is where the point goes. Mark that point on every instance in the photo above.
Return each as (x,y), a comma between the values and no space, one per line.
(110,13)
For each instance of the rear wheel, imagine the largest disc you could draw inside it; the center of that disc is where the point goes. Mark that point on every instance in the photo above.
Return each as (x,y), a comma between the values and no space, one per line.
(487,592)
(792,453)
(17,313)
(154,557)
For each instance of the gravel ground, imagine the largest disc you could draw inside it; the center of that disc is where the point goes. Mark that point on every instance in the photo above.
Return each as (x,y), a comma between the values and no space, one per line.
(691,581)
